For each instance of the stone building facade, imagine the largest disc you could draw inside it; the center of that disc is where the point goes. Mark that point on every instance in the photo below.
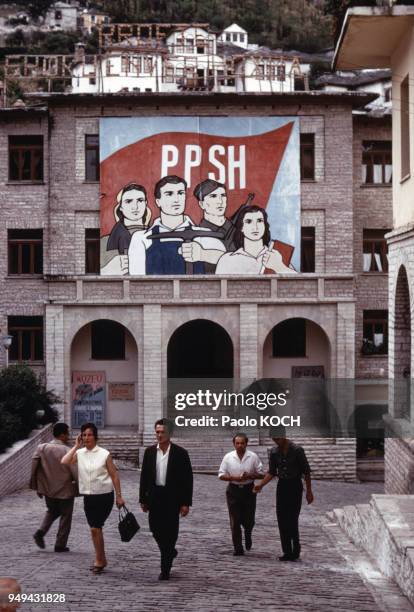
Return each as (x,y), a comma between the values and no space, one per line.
(383,37)
(155,310)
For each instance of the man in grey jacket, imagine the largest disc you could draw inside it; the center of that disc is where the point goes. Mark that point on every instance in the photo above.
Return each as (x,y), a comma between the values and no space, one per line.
(57,483)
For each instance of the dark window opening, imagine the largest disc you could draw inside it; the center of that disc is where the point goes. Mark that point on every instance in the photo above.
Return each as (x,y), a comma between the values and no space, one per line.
(289,338)
(212,345)
(281,72)
(25,158)
(375,251)
(92,157)
(27,343)
(107,340)
(299,83)
(405,127)
(307,249)
(25,251)
(376,162)
(58,15)
(375,332)
(92,251)
(307,157)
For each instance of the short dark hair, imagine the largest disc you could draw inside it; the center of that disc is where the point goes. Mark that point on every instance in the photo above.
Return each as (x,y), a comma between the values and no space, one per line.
(169,425)
(240,435)
(92,426)
(171,178)
(125,189)
(60,429)
(238,234)
(278,431)
(206,187)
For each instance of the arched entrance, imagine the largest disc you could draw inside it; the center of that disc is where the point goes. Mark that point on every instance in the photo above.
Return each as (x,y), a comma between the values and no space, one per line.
(296,353)
(104,367)
(402,347)
(296,348)
(200,349)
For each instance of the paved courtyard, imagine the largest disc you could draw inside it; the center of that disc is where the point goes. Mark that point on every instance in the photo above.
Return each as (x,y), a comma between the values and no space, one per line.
(332,575)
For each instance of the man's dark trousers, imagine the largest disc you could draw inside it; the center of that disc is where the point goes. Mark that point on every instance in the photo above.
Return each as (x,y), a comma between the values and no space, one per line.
(56,508)
(241,502)
(288,504)
(164,525)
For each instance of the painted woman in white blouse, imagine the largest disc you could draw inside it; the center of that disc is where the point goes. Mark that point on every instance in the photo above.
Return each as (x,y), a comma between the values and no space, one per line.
(255,250)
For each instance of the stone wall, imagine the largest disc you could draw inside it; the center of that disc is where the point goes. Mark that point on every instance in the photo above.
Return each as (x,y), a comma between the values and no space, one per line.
(399,466)
(385,529)
(15,464)
(372,210)
(399,451)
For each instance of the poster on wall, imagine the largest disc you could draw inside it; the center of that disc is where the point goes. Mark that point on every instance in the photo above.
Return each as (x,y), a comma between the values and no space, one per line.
(199,195)
(88,398)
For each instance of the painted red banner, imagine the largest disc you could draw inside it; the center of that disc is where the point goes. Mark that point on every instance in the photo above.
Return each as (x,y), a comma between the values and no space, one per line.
(245,164)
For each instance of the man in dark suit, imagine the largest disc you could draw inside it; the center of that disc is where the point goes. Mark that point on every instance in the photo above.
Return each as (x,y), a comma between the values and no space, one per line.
(166,490)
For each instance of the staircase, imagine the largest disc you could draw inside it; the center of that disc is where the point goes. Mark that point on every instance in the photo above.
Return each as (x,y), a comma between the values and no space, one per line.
(123,446)
(384,528)
(370,469)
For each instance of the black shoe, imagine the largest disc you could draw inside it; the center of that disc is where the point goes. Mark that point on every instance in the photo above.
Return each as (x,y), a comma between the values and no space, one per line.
(238,552)
(62,549)
(286,558)
(39,539)
(248,540)
(164,576)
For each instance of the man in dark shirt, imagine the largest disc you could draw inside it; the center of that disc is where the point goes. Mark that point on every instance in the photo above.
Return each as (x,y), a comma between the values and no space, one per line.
(289,463)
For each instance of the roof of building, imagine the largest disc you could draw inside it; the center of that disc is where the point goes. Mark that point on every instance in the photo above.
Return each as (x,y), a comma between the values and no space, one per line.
(22,111)
(353,79)
(234,27)
(62,5)
(370,35)
(356,99)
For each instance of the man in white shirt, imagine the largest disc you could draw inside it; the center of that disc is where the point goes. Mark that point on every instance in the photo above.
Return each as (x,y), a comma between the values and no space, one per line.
(240,468)
(169,256)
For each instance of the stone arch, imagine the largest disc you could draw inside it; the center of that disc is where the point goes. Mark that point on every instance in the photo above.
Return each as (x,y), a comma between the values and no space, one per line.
(307,361)
(111,349)
(200,348)
(402,345)
(317,346)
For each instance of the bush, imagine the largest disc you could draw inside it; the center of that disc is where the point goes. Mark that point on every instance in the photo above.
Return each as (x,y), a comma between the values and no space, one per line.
(22,394)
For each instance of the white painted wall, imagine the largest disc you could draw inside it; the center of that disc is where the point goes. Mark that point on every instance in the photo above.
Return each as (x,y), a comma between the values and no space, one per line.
(402,64)
(190,33)
(317,349)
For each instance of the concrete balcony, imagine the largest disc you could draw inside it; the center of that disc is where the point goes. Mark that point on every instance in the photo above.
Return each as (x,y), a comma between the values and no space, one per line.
(305,288)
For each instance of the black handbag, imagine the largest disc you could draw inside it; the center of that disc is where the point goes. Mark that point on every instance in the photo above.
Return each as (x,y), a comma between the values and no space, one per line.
(128,524)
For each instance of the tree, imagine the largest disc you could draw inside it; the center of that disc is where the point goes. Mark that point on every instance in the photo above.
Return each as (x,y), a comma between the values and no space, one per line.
(22,396)
(38,8)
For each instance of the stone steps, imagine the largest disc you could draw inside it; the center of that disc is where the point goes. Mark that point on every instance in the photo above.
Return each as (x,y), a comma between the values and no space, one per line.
(370,470)
(328,460)
(384,528)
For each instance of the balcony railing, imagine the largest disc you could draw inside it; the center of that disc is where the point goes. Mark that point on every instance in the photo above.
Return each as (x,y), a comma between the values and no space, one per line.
(311,288)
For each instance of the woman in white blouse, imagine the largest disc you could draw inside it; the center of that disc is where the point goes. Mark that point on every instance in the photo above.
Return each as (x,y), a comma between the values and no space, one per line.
(98,477)
(255,250)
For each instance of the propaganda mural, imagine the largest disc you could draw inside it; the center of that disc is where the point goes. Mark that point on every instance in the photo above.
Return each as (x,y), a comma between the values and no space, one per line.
(199,195)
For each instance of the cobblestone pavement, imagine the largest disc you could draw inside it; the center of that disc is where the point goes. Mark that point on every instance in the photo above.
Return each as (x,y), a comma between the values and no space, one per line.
(332,574)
